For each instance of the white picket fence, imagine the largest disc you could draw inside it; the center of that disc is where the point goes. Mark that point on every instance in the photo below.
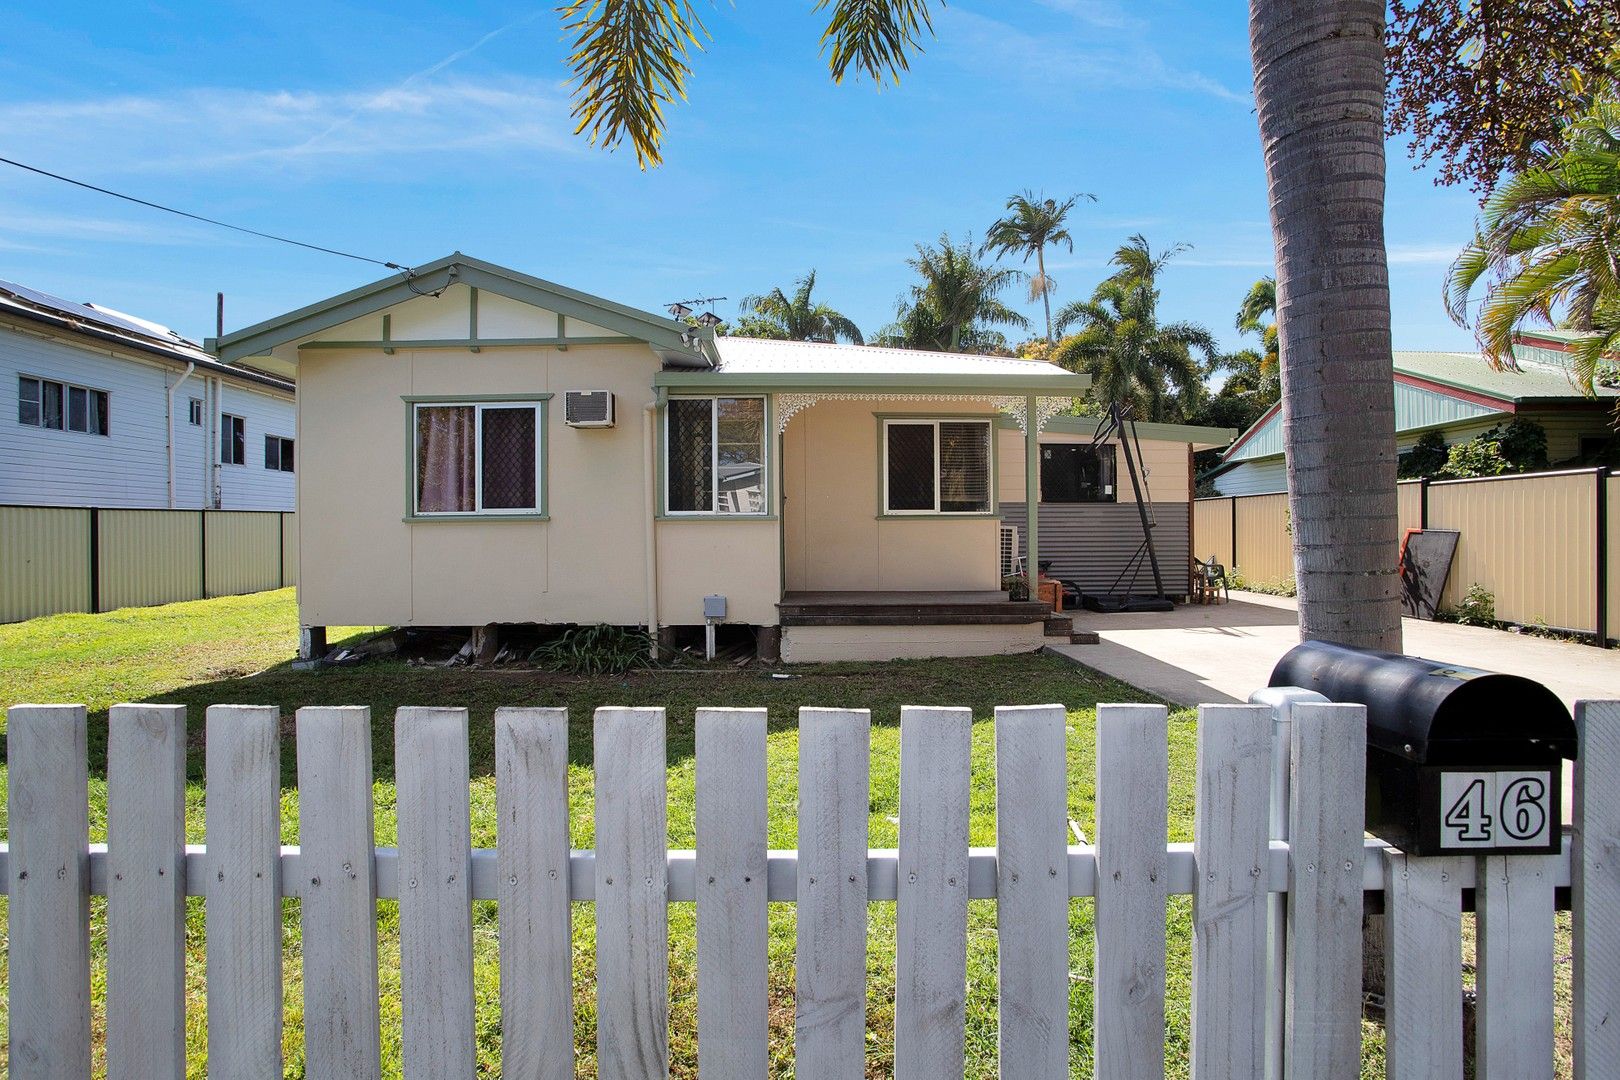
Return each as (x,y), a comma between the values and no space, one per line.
(1231,871)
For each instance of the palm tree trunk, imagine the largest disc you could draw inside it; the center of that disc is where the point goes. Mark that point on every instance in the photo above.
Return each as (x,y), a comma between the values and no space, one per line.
(1046,292)
(1319,89)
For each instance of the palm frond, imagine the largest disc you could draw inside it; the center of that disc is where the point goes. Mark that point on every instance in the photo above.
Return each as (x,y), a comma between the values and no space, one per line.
(629,59)
(874,37)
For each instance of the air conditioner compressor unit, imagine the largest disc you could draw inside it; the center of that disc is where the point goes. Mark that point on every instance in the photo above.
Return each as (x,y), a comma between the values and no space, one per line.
(588,408)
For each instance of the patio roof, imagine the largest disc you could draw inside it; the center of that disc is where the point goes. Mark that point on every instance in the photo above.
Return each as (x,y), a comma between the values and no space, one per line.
(758,364)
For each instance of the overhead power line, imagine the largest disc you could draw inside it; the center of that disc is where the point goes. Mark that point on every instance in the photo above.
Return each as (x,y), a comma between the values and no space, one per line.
(199,217)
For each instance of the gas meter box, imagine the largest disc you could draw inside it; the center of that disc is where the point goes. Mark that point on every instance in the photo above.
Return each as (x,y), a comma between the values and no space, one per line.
(1459,761)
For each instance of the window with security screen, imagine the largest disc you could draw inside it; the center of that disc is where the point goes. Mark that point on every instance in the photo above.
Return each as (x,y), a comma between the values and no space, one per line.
(936,466)
(477,458)
(715,456)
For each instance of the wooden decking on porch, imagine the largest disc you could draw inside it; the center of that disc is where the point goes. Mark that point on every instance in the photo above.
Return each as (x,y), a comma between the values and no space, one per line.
(918,608)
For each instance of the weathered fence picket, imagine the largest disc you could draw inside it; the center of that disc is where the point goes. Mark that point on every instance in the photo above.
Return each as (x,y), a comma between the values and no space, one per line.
(1595,891)
(1513,1033)
(338,887)
(1423,966)
(242,871)
(632,922)
(1231,870)
(1032,890)
(435,906)
(531,805)
(1133,776)
(146,896)
(930,967)
(1325,885)
(1230,853)
(829,1035)
(731,869)
(48,880)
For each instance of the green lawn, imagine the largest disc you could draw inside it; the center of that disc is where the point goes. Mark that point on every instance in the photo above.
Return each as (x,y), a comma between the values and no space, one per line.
(235,650)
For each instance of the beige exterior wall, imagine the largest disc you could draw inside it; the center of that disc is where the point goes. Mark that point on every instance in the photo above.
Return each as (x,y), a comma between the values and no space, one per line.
(820,644)
(835,537)
(1165,466)
(1614,555)
(1549,518)
(362,563)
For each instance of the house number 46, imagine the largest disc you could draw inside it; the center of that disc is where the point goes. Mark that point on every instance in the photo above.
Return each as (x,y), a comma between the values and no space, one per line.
(1495,809)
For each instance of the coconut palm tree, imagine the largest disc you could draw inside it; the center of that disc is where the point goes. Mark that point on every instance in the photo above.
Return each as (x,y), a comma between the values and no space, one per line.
(957,301)
(1323,144)
(1547,248)
(1257,373)
(1032,223)
(796,317)
(1132,358)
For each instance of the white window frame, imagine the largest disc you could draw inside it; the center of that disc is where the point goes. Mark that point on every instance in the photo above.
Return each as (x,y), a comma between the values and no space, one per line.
(935,422)
(67,408)
(227,438)
(714,510)
(194,412)
(478,407)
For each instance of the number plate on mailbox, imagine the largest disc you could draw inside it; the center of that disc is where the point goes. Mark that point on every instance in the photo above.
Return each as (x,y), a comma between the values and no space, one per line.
(1512,810)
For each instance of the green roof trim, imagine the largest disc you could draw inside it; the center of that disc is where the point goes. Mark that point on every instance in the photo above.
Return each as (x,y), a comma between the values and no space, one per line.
(457,268)
(1175,433)
(1067,384)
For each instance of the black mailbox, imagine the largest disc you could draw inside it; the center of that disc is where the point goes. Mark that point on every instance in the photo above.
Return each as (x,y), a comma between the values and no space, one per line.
(1459,761)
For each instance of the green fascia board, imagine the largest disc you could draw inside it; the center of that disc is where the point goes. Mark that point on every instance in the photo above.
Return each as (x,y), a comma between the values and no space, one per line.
(1176,433)
(440,273)
(1065,385)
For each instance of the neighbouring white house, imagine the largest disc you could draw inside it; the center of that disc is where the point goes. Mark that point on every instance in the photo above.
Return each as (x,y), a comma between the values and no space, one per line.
(100,408)
(486,448)
(1459,395)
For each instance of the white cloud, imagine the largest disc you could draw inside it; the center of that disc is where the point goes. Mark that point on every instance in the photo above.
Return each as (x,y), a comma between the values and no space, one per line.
(1121,57)
(1423,254)
(293,131)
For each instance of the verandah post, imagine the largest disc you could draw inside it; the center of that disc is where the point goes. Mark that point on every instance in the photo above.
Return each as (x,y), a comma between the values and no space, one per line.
(1032,495)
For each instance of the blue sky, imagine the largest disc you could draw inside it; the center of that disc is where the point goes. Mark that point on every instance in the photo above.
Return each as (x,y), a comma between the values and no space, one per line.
(405,130)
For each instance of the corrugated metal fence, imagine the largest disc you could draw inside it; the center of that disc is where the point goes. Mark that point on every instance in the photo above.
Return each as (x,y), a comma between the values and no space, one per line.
(1547,545)
(85,558)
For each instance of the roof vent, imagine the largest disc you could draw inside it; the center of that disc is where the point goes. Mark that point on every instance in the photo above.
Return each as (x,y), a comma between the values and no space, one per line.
(588,408)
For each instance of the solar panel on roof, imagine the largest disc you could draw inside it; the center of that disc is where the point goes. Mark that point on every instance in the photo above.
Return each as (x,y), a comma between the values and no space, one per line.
(85,312)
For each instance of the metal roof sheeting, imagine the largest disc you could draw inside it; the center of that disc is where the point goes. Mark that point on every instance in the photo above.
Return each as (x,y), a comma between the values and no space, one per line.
(1418,407)
(762,356)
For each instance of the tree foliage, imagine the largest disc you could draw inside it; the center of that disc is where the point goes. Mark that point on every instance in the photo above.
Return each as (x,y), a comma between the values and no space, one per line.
(1547,249)
(1033,222)
(797,317)
(956,303)
(632,58)
(1480,86)
(1132,357)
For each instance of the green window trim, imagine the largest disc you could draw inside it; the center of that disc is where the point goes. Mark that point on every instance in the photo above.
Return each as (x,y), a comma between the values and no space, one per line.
(883,511)
(542,411)
(767,467)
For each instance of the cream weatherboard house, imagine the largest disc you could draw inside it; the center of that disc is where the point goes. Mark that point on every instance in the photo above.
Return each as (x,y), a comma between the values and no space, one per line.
(481,447)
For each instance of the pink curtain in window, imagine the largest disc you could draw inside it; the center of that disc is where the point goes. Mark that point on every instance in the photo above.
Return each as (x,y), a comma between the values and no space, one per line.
(444,459)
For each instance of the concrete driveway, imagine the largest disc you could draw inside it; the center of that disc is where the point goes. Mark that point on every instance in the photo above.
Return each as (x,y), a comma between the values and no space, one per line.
(1200,654)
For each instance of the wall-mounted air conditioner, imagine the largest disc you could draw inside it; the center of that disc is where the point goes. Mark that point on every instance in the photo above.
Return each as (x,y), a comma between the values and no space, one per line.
(588,408)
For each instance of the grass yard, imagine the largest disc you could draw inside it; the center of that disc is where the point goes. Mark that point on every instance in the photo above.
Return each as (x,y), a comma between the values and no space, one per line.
(235,650)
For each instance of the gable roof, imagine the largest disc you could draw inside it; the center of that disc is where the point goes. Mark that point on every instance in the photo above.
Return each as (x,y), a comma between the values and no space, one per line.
(117,328)
(680,344)
(1433,389)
